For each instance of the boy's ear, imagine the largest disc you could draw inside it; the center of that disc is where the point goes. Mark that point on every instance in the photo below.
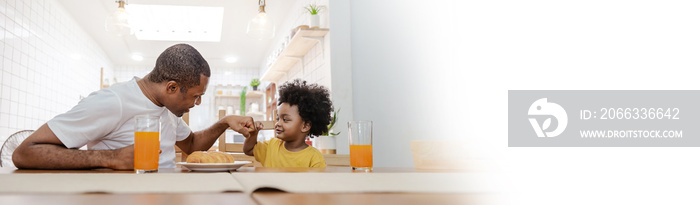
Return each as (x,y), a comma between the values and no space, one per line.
(306,127)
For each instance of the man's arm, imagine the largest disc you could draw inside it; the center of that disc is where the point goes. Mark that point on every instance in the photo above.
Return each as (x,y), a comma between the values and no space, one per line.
(203,140)
(43,150)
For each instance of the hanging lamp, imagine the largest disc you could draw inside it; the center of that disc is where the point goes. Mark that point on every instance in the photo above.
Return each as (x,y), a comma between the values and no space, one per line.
(118,22)
(261,26)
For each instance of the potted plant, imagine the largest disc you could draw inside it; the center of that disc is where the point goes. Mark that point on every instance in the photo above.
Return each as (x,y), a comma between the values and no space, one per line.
(326,142)
(255,83)
(243,92)
(330,126)
(314,9)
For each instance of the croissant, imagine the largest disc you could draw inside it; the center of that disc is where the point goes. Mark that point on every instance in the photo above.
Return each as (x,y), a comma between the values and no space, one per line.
(210,157)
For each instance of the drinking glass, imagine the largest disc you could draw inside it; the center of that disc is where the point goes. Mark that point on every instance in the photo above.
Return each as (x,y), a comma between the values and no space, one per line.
(146,143)
(360,140)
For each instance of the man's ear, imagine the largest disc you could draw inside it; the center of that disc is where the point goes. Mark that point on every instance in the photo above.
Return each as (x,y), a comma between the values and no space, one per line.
(306,127)
(172,87)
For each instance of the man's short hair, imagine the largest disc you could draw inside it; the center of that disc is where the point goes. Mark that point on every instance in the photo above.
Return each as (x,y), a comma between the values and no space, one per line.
(181,63)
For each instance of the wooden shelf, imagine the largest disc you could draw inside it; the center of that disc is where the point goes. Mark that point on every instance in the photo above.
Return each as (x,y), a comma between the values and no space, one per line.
(301,43)
(270,102)
(228,86)
(254,94)
(251,113)
(228,96)
(233,100)
(249,94)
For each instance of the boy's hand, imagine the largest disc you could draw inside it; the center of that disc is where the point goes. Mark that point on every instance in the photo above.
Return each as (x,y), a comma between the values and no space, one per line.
(258,126)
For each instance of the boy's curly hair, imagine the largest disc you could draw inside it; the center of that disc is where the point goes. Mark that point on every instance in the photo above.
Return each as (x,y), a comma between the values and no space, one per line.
(313,102)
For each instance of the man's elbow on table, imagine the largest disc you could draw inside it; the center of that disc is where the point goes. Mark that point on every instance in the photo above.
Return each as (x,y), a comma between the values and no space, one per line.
(19,157)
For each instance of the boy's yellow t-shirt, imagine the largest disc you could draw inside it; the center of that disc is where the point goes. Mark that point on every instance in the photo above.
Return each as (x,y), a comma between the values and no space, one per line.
(272,153)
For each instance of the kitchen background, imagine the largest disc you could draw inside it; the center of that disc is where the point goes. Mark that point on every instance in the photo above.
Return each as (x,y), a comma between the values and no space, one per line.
(51,59)
(430,70)
(49,63)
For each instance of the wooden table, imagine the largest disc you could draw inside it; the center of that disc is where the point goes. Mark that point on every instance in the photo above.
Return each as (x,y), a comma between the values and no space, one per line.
(263,197)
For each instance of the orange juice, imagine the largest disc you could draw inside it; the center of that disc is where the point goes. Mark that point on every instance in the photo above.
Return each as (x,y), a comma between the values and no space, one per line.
(361,155)
(146,147)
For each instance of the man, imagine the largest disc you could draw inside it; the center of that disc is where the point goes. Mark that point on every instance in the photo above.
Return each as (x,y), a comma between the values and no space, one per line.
(104,121)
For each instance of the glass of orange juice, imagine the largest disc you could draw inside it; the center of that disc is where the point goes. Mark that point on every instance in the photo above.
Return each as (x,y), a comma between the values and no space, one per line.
(360,139)
(146,143)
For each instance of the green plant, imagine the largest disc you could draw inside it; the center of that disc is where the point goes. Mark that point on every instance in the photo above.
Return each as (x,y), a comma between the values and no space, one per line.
(313,9)
(329,133)
(255,82)
(243,92)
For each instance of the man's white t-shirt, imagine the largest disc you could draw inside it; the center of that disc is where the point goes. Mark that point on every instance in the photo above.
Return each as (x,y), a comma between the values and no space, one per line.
(105,120)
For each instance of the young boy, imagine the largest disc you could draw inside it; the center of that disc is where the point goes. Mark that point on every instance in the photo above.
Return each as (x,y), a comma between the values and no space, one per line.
(303,110)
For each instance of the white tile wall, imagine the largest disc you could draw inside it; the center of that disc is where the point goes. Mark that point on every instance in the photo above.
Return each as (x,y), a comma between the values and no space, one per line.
(48,62)
(126,73)
(316,65)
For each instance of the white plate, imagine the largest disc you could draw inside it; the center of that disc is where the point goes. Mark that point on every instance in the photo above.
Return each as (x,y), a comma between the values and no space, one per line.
(213,167)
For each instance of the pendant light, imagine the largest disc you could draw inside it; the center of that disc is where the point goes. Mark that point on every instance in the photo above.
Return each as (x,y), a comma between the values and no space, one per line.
(118,22)
(261,26)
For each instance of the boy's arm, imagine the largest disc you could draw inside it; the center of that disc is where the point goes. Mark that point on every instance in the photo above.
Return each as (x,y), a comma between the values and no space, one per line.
(252,140)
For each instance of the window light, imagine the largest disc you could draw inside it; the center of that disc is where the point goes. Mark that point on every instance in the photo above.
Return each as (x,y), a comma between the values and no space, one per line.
(176,23)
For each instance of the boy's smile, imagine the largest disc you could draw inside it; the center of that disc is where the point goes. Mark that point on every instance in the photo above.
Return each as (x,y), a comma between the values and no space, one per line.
(290,126)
